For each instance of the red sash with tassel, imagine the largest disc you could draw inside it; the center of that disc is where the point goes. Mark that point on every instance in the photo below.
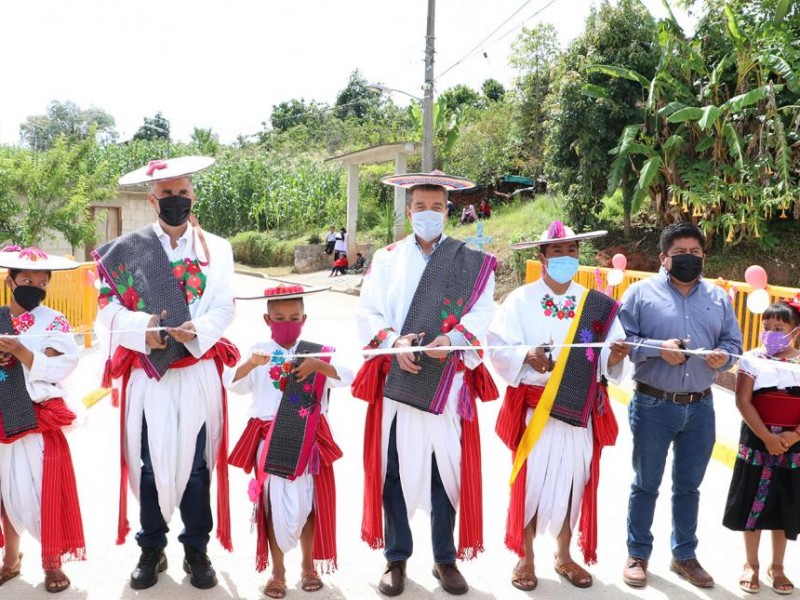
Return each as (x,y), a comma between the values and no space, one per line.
(510,427)
(244,457)
(62,526)
(223,353)
(368,385)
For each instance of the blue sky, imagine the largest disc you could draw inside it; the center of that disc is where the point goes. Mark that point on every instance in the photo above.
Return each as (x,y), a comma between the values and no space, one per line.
(224,65)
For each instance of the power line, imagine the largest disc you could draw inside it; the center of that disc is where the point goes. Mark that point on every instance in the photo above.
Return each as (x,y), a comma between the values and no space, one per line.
(495,30)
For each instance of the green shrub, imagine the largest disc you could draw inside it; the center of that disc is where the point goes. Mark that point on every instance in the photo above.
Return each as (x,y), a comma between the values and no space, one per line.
(314,238)
(257,249)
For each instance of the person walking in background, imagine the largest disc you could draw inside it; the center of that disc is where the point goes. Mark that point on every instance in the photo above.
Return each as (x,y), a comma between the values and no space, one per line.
(672,405)
(330,240)
(765,487)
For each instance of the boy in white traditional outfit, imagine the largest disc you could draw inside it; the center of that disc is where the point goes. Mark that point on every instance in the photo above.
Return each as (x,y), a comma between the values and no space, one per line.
(422,444)
(559,478)
(37,480)
(164,306)
(287,443)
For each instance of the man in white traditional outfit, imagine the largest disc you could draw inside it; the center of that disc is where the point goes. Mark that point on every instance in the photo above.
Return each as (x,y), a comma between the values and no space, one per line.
(422,447)
(287,444)
(37,480)
(165,302)
(555,415)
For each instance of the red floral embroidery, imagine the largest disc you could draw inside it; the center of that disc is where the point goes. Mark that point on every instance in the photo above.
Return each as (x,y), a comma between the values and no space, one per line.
(469,336)
(448,324)
(379,338)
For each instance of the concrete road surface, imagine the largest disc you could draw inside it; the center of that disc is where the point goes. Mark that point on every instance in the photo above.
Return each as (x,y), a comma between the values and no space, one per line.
(105,575)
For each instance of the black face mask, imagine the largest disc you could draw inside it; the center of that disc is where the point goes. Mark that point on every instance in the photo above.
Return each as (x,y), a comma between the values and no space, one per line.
(174,210)
(686,267)
(28,296)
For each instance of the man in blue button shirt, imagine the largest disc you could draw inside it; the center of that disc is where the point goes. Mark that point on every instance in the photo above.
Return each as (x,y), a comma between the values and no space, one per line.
(672,405)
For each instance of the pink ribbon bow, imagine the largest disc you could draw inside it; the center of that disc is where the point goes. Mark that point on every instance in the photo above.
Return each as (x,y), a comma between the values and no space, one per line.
(154,165)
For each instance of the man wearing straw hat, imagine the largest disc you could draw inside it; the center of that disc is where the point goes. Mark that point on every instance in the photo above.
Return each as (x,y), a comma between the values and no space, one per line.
(165,302)
(555,416)
(663,315)
(422,447)
(37,480)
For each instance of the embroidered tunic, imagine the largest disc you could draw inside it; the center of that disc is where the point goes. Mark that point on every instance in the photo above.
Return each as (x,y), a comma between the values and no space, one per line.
(558,466)
(291,501)
(386,297)
(21,462)
(177,406)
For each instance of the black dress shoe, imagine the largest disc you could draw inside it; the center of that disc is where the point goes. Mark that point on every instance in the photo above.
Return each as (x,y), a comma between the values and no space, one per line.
(451,579)
(152,562)
(393,580)
(196,563)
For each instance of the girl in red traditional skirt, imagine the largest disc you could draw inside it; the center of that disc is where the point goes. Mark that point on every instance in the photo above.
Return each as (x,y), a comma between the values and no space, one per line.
(37,481)
(765,488)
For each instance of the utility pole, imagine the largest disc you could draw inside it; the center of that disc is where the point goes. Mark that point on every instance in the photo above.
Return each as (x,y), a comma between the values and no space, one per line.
(427,99)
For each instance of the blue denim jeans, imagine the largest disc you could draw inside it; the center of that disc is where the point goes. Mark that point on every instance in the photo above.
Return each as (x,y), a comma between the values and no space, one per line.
(655,424)
(399,543)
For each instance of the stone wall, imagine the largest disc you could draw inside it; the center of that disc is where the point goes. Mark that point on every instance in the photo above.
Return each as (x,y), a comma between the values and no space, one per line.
(311,258)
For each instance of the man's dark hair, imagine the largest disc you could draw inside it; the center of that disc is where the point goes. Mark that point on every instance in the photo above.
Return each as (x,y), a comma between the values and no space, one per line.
(782,312)
(14,272)
(425,187)
(676,231)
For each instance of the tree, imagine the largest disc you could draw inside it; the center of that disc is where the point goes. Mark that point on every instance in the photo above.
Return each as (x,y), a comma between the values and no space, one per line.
(290,113)
(355,100)
(39,132)
(207,142)
(587,110)
(460,96)
(57,187)
(534,55)
(153,128)
(493,90)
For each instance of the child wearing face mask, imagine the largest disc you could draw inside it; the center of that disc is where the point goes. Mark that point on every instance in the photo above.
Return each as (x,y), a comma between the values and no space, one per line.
(287,418)
(765,488)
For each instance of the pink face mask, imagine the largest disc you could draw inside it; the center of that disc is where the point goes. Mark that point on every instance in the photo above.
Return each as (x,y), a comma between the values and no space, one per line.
(285,333)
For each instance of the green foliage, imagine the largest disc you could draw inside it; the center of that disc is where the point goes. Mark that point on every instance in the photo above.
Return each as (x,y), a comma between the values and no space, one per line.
(460,96)
(153,128)
(206,141)
(314,239)
(355,100)
(39,132)
(492,90)
(55,188)
(258,249)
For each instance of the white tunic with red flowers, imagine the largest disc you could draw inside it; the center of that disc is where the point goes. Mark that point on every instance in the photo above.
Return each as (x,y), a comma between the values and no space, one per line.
(558,466)
(177,407)
(386,296)
(21,461)
(291,501)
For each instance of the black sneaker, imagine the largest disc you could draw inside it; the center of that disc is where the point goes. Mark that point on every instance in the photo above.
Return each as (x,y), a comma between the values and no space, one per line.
(151,562)
(196,563)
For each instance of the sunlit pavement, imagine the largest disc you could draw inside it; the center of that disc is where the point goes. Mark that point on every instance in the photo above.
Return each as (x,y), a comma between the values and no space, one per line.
(105,575)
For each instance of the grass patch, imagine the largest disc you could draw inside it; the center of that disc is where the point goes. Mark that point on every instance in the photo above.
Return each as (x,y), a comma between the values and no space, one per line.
(258,249)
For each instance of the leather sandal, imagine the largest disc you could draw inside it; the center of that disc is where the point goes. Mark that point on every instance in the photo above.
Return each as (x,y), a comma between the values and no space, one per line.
(749,584)
(310,582)
(523,577)
(9,574)
(56,581)
(275,588)
(780,583)
(574,573)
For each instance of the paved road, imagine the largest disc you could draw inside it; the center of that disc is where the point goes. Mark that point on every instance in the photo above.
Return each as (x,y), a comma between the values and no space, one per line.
(96,453)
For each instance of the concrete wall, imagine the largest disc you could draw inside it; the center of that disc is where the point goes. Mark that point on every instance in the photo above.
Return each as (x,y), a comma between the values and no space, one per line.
(308,259)
(136,213)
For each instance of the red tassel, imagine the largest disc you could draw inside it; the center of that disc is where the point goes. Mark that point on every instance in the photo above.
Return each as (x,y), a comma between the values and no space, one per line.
(115,398)
(485,387)
(465,403)
(106,382)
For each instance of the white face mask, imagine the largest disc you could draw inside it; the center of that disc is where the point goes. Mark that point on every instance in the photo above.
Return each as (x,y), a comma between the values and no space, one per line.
(427,224)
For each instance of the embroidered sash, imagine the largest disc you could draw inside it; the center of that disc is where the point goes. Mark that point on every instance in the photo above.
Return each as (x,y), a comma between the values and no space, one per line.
(139,273)
(572,391)
(780,408)
(291,439)
(16,405)
(455,276)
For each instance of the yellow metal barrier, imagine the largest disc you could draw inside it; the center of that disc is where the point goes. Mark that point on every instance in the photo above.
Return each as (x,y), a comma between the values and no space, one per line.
(71,293)
(749,323)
